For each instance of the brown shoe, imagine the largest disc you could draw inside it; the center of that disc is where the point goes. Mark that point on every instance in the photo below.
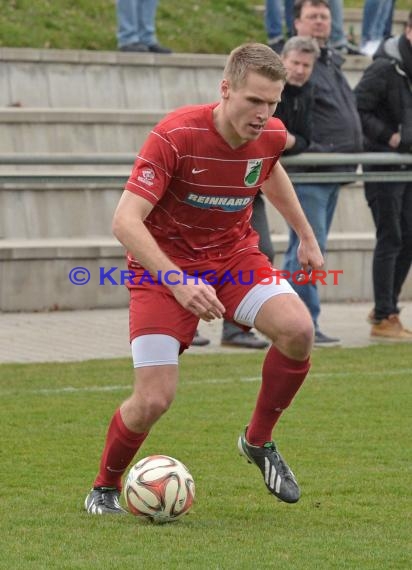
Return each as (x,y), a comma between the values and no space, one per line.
(371,319)
(391,329)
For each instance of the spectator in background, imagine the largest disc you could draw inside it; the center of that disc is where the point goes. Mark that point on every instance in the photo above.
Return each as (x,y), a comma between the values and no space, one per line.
(274,27)
(136,30)
(298,56)
(336,127)
(384,96)
(376,24)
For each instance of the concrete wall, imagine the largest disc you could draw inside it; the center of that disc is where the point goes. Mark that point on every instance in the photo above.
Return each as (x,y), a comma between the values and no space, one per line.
(106,80)
(87,102)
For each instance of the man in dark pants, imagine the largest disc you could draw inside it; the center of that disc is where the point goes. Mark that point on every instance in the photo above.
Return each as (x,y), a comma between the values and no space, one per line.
(384,97)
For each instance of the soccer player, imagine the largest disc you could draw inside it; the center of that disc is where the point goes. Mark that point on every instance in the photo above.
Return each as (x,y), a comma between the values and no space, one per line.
(185,215)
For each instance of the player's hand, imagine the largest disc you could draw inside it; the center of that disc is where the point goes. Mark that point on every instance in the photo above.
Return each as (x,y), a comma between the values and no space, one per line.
(309,255)
(199,298)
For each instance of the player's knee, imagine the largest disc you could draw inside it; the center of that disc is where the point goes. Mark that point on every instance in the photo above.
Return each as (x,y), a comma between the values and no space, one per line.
(298,339)
(153,406)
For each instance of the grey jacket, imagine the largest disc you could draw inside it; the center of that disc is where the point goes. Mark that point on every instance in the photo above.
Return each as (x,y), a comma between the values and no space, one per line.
(336,126)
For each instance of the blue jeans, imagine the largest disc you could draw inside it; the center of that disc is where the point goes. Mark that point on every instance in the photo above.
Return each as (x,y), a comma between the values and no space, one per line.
(318,202)
(274,15)
(337,36)
(259,223)
(136,22)
(376,19)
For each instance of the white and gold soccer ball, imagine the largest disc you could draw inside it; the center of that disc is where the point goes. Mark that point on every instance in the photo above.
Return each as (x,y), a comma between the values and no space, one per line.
(159,488)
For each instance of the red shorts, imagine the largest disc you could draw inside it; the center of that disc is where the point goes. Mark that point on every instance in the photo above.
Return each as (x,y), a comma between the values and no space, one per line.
(154,310)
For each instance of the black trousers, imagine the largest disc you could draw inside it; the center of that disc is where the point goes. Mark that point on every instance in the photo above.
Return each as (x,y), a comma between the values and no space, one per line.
(391,207)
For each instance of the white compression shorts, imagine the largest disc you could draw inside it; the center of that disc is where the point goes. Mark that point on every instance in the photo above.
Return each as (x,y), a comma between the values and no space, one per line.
(249,306)
(155,350)
(161,349)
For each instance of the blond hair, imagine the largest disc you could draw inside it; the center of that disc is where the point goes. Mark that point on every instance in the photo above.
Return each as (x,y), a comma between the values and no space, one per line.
(253,57)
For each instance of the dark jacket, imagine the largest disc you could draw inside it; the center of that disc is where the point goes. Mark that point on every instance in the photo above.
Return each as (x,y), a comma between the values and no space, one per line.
(295,111)
(384,98)
(336,125)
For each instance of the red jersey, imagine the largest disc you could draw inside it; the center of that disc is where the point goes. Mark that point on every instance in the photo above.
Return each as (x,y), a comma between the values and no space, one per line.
(201,188)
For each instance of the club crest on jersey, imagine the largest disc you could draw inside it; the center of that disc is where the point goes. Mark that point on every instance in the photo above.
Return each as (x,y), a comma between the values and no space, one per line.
(253,170)
(147,176)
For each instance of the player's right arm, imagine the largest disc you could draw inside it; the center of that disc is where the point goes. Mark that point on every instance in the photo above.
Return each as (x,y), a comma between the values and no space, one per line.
(128,227)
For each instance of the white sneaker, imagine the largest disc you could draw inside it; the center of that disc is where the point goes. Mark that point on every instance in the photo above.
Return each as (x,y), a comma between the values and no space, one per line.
(370,47)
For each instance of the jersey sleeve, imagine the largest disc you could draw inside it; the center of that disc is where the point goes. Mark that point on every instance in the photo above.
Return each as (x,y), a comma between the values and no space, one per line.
(154,167)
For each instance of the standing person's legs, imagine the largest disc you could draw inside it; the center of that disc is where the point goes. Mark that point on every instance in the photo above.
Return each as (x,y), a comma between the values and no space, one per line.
(376,14)
(392,254)
(290,17)
(333,195)
(260,224)
(232,335)
(404,259)
(387,31)
(273,19)
(318,201)
(127,22)
(368,14)
(147,21)
(337,36)
(274,24)
(383,10)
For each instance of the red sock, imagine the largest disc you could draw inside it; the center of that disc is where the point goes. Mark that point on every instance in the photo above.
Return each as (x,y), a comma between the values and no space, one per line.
(281,379)
(120,448)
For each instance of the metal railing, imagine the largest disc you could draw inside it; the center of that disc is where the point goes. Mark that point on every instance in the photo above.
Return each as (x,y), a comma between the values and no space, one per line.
(300,163)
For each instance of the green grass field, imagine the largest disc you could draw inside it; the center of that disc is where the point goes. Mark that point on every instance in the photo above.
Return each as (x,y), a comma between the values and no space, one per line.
(347,436)
(209,26)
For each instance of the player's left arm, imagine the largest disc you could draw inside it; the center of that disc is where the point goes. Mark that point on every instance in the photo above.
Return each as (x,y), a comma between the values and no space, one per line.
(280,192)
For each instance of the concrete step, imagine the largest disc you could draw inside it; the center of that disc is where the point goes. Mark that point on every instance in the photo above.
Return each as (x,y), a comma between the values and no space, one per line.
(111,80)
(64,209)
(69,207)
(71,78)
(74,130)
(35,274)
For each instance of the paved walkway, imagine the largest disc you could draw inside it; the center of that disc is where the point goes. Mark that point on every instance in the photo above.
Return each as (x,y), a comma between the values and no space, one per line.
(66,336)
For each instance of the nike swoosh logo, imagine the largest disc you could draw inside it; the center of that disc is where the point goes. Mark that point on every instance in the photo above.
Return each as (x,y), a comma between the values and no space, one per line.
(196,171)
(114,470)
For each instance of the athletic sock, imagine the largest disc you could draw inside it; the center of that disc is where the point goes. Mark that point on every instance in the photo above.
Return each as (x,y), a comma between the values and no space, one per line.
(281,379)
(120,448)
